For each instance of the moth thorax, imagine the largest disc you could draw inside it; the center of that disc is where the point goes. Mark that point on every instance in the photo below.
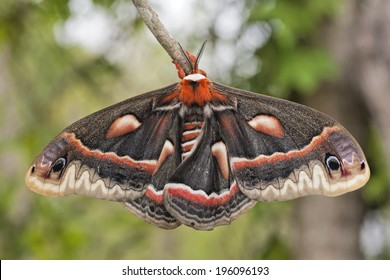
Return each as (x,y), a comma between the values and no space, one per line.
(192,128)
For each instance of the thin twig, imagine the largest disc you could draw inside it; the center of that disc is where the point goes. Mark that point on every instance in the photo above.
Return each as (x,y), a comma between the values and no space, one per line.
(162,35)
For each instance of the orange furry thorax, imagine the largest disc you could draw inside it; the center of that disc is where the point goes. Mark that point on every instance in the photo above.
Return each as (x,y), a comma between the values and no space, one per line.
(195,93)
(192,93)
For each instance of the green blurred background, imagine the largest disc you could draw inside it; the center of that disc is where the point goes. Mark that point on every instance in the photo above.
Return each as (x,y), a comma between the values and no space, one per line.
(61,60)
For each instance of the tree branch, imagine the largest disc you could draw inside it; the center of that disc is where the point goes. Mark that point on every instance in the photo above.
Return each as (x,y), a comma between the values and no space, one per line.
(162,35)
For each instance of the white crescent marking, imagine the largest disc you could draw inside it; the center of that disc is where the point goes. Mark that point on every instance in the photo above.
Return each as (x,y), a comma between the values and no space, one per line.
(194,77)
(82,186)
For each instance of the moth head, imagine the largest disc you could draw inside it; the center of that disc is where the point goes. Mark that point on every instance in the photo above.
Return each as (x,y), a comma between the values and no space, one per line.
(193,62)
(48,168)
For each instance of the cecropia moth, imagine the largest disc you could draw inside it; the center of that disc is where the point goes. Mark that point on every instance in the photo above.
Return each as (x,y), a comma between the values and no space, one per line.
(200,153)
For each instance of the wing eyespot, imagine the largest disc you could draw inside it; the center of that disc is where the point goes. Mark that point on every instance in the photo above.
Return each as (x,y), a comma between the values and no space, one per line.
(332,162)
(58,165)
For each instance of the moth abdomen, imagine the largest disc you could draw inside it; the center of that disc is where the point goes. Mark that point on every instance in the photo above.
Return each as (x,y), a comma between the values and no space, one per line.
(191,132)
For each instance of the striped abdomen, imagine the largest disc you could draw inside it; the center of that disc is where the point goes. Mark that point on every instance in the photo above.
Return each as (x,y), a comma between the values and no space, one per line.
(191,130)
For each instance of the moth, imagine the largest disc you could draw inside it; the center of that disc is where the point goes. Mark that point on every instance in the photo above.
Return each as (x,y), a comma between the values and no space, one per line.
(200,153)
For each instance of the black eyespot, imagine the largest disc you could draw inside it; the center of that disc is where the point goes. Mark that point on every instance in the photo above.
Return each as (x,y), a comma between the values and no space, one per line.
(59,165)
(362,165)
(332,162)
(33,169)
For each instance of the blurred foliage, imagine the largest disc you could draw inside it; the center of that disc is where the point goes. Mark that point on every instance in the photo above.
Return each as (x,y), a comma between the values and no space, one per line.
(293,58)
(47,85)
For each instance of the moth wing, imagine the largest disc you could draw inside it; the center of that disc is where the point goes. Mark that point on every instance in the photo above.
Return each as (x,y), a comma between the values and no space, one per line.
(123,153)
(111,154)
(201,195)
(151,206)
(280,150)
